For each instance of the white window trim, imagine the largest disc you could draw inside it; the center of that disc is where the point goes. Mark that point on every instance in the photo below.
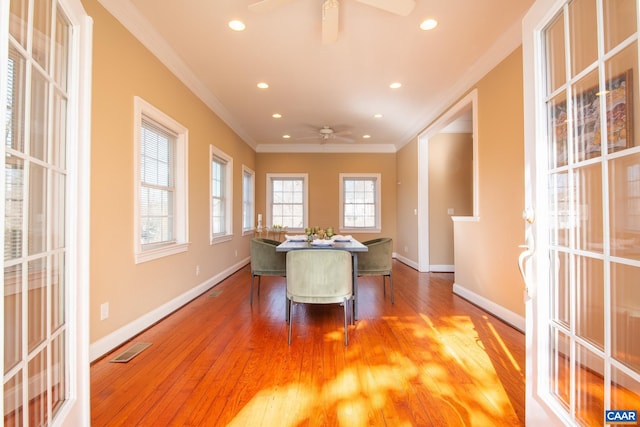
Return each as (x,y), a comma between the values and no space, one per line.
(228,226)
(143,109)
(269,193)
(378,227)
(251,228)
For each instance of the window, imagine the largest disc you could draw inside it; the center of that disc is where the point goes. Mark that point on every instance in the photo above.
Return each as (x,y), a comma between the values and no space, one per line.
(360,202)
(161,190)
(248,198)
(221,195)
(287,200)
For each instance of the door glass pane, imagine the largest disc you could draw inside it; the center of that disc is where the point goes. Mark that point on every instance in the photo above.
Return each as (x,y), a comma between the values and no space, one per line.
(625,322)
(18,21)
(37,209)
(583,39)
(61,54)
(37,377)
(625,391)
(39,104)
(559,286)
(14,118)
(560,365)
(589,389)
(12,316)
(624,205)
(58,192)
(590,300)
(59,136)
(42,32)
(59,376)
(37,302)
(14,211)
(58,281)
(588,211)
(558,135)
(13,401)
(587,135)
(559,209)
(619,21)
(555,53)
(623,121)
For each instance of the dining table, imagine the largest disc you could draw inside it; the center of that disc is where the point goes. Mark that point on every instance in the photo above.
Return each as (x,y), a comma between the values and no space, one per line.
(342,244)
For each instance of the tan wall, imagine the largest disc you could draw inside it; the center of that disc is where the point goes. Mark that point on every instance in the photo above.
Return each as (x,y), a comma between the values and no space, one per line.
(450,187)
(122,69)
(323,170)
(487,250)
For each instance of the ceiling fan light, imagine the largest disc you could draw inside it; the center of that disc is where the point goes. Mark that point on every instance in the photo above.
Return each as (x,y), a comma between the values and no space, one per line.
(395,85)
(262,85)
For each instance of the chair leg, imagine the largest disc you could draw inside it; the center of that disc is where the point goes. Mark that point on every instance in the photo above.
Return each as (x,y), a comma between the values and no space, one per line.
(346,333)
(287,310)
(259,278)
(384,288)
(393,301)
(290,305)
(251,296)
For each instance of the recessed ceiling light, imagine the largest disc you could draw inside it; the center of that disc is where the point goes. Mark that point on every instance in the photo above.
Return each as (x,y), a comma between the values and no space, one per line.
(395,85)
(276,115)
(428,24)
(286,136)
(377,116)
(263,85)
(236,25)
(366,136)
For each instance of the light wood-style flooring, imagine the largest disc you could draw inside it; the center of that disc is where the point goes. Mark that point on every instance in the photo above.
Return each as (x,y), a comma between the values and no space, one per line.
(430,359)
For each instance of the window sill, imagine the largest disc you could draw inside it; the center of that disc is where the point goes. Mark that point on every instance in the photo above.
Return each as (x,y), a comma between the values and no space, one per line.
(151,254)
(360,230)
(221,239)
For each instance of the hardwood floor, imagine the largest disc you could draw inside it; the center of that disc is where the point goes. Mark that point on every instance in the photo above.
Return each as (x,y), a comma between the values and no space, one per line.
(430,359)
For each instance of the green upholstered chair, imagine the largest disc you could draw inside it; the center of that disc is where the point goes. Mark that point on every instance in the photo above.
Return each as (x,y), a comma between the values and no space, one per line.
(319,276)
(265,261)
(377,261)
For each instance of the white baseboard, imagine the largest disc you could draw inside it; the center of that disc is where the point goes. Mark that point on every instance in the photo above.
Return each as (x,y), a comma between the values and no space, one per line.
(406,261)
(442,268)
(497,310)
(125,333)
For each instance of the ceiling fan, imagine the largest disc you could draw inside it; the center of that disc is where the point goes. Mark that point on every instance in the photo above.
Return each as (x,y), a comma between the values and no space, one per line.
(330,12)
(326,133)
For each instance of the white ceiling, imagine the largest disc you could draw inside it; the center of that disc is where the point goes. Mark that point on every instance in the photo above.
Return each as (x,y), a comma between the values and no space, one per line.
(341,85)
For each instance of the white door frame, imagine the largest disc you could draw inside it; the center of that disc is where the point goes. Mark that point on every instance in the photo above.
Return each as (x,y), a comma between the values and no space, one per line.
(468,101)
(76,409)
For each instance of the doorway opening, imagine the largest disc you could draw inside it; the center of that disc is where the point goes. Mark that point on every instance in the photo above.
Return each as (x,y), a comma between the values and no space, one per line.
(441,157)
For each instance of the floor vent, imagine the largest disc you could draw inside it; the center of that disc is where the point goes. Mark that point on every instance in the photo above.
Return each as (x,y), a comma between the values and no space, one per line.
(132,352)
(215,294)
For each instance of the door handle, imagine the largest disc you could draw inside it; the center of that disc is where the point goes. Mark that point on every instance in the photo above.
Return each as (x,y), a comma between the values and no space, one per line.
(528,252)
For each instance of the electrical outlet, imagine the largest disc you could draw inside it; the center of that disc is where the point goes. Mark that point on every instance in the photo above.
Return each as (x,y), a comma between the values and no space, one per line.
(197,270)
(236,252)
(104,311)
(450,211)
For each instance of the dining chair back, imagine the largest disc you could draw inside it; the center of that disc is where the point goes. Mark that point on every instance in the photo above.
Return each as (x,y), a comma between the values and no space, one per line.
(319,276)
(265,261)
(377,261)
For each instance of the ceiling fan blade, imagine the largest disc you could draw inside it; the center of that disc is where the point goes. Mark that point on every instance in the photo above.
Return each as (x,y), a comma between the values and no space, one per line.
(397,7)
(267,5)
(330,9)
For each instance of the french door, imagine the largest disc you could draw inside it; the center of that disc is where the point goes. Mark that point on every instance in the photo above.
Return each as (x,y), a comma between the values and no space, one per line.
(582,178)
(45,81)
